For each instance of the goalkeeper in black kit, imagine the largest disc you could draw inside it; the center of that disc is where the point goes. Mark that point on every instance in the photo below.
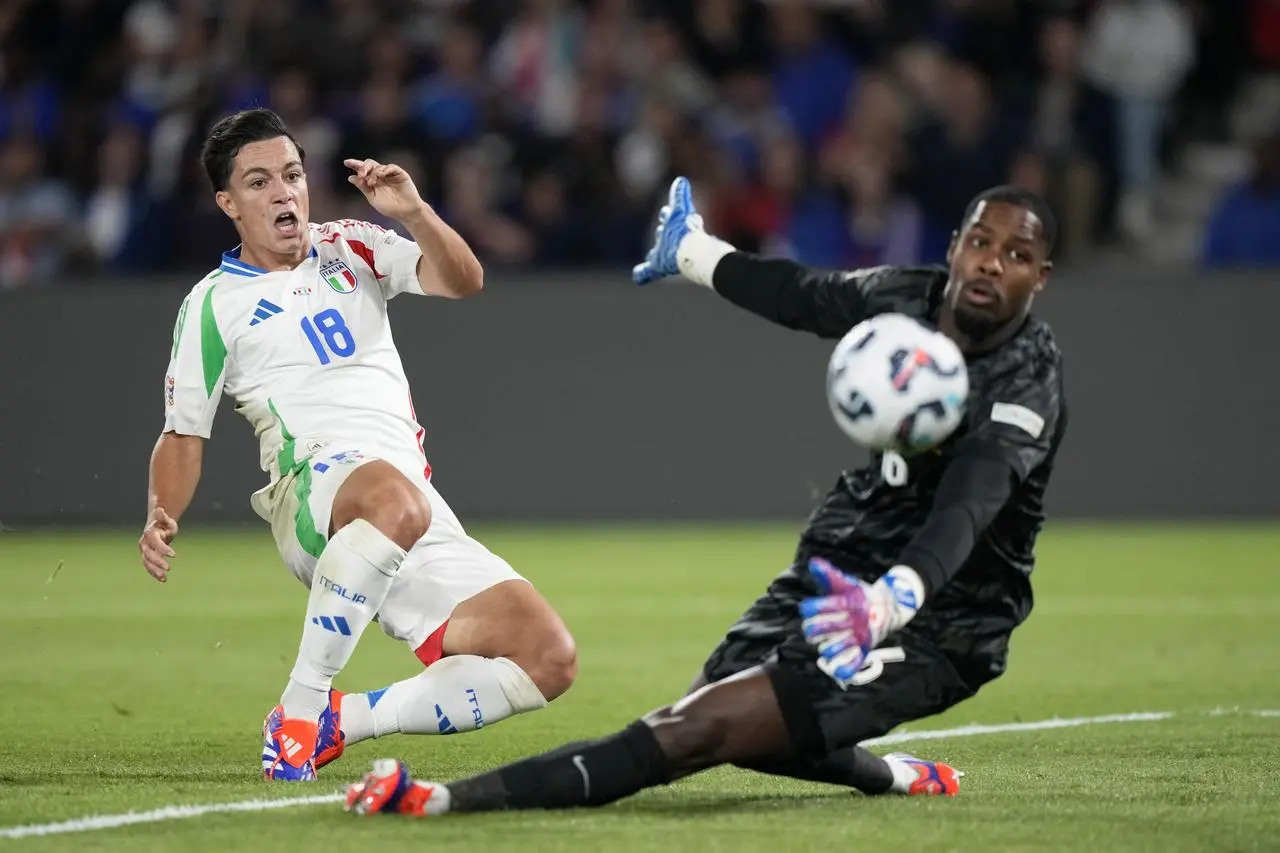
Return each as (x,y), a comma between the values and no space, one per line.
(910,576)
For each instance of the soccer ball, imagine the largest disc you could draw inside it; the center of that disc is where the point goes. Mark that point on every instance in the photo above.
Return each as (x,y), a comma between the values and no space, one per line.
(895,384)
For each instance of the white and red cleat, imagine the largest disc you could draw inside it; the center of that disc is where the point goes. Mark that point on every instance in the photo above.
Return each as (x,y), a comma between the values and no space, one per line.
(389,789)
(933,778)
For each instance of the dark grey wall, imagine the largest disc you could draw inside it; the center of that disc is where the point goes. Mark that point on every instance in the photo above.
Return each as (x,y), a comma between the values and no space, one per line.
(583,397)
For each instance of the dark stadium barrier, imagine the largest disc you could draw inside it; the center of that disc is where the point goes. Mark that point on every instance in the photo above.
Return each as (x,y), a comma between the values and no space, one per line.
(580,397)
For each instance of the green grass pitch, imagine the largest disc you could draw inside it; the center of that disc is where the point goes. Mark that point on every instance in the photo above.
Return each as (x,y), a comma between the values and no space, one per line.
(120,695)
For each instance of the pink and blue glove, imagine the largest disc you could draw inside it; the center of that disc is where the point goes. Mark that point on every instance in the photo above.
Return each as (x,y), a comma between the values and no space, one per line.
(852,617)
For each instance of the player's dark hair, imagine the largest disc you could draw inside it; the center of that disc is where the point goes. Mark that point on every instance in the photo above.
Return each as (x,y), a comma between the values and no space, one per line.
(234,132)
(1024,198)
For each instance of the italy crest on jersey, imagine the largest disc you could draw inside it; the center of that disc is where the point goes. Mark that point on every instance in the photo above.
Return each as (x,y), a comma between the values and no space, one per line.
(339,276)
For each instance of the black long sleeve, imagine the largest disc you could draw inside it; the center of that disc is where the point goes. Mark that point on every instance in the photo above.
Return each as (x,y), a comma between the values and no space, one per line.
(1016,424)
(827,304)
(970,495)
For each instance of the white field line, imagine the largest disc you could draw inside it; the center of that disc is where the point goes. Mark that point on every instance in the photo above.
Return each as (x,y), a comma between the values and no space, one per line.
(1003,728)
(96,822)
(111,821)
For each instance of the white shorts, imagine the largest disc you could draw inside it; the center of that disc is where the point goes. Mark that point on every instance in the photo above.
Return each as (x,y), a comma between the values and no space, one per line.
(444,568)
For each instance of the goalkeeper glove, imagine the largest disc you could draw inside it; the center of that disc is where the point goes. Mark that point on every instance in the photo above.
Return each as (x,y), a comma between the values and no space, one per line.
(852,617)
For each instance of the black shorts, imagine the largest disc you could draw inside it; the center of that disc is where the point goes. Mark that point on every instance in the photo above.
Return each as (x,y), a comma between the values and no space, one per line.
(906,678)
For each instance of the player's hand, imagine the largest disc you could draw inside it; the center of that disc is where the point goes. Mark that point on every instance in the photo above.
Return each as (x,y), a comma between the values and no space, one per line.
(676,219)
(154,544)
(852,617)
(387,187)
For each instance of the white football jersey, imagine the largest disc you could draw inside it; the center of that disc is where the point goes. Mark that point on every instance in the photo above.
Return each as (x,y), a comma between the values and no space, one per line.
(307,353)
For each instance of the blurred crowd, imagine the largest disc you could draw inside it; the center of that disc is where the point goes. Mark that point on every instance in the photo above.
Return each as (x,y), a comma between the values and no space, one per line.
(843,133)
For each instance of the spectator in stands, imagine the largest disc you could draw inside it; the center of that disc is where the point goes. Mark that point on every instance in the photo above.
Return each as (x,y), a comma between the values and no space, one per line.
(839,134)
(450,104)
(36,216)
(122,223)
(534,66)
(1138,52)
(971,144)
(1244,230)
(812,75)
(867,161)
(1071,131)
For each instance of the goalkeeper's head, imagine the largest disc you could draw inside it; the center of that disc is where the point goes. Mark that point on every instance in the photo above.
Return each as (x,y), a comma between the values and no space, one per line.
(999,260)
(255,167)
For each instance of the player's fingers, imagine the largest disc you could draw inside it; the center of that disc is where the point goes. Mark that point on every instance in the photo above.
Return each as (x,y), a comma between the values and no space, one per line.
(162,546)
(823,575)
(684,195)
(155,566)
(156,551)
(678,190)
(154,541)
(848,663)
(819,624)
(821,604)
(834,643)
(830,580)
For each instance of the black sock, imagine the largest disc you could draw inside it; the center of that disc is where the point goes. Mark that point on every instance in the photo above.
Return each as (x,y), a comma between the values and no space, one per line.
(587,773)
(855,767)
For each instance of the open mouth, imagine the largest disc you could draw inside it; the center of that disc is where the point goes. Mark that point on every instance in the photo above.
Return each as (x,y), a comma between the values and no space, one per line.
(287,224)
(980,293)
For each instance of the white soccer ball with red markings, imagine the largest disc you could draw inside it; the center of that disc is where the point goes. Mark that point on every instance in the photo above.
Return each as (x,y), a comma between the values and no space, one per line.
(895,384)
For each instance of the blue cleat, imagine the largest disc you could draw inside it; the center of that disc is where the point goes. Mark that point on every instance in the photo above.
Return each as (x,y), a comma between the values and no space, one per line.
(676,219)
(287,748)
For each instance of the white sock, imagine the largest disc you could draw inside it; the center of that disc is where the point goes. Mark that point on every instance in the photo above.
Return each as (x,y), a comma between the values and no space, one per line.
(351,581)
(698,254)
(904,775)
(459,693)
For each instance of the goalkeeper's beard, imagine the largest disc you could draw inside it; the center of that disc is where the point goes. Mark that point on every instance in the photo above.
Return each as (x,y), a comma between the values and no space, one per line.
(976,326)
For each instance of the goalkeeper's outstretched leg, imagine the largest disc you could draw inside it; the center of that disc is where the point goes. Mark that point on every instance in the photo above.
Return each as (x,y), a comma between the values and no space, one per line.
(767,705)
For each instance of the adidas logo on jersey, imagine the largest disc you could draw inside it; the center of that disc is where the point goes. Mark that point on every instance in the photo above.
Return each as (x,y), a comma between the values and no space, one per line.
(266,310)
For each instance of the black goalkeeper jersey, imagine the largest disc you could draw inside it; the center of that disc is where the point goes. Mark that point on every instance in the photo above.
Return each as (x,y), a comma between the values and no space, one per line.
(965,515)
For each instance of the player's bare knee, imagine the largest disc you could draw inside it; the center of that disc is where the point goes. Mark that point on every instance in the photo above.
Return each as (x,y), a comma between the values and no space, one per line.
(386,499)
(555,665)
(400,511)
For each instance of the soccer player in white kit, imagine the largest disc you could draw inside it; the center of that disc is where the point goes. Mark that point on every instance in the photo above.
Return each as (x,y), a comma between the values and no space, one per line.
(293,326)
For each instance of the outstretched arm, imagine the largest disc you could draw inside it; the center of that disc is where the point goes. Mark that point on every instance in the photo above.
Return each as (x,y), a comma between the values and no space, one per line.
(782,291)
(828,304)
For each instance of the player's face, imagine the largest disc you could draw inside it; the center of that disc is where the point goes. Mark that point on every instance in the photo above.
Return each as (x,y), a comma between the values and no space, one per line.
(998,264)
(267,199)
